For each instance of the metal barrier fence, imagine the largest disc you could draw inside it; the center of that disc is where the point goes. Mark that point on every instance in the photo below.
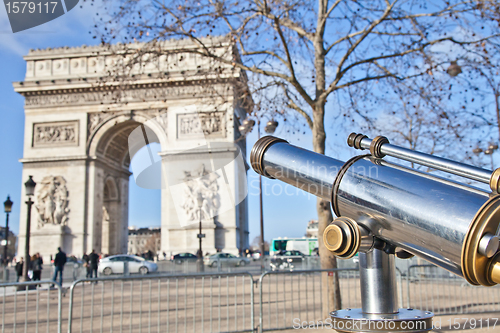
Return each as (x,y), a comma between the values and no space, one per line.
(163,303)
(286,298)
(432,288)
(36,302)
(222,302)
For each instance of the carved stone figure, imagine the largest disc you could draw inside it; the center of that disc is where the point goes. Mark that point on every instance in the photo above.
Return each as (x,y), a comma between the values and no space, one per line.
(205,183)
(52,201)
(162,118)
(105,215)
(94,120)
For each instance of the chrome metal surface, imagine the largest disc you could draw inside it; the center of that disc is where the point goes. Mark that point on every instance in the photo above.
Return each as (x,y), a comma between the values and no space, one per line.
(423,215)
(405,320)
(439,163)
(488,245)
(367,240)
(304,169)
(378,282)
(428,217)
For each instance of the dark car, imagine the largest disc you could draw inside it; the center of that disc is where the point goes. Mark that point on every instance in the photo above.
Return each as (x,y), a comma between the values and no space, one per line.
(287,260)
(183,257)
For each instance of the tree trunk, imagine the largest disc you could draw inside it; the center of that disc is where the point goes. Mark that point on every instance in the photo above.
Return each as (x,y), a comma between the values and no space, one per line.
(331,298)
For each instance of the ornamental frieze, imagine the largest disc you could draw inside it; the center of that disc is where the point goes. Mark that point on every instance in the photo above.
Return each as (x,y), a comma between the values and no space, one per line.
(53,134)
(100,97)
(200,124)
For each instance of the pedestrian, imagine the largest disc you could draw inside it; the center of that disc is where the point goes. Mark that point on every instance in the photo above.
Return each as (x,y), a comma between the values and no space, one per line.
(37,267)
(94,261)
(86,264)
(19,268)
(30,269)
(59,262)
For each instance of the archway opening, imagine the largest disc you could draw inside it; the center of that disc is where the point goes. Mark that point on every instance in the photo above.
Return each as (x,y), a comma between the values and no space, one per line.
(118,162)
(144,212)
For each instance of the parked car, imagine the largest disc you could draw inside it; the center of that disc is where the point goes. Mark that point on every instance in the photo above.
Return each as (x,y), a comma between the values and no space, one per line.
(183,257)
(225,259)
(115,265)
(287,260)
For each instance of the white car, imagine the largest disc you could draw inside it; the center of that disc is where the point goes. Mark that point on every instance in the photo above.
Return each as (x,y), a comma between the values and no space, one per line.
(115,265)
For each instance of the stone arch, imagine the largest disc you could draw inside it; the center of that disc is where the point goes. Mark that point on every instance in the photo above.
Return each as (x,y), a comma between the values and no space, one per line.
(110,152)
(125,122)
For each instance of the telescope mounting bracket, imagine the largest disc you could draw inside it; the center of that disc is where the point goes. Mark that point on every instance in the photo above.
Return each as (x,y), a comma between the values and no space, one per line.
(379,312)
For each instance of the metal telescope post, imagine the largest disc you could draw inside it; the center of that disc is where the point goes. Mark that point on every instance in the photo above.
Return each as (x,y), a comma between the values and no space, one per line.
(380,311)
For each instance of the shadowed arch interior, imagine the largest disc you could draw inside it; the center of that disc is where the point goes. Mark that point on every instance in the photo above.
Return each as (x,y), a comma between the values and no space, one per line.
(114,144)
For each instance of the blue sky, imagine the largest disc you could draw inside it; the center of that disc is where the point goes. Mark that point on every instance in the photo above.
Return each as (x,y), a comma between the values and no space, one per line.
(285,216)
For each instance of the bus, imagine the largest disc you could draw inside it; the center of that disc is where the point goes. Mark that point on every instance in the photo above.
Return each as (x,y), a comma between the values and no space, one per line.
(308,246)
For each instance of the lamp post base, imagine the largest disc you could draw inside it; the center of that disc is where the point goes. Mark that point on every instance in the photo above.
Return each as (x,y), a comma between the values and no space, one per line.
(5,277)
(200,265)
(25,288)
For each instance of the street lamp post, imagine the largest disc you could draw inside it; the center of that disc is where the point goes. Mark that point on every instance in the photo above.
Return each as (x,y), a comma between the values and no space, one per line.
(245,128)
(8,208)
(30,191)
(201,268)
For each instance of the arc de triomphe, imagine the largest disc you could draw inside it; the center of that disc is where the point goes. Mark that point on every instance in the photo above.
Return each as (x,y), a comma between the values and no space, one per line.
(79,138)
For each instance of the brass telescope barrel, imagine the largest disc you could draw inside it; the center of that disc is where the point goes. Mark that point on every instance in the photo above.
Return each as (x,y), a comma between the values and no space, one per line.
(450,224)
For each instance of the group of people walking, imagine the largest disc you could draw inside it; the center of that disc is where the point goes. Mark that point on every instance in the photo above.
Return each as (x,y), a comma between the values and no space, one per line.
(35,266)
(90,262)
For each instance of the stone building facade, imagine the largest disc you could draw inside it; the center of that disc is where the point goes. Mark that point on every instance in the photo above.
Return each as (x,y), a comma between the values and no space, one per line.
(142,240)
(312,229)
(82,128)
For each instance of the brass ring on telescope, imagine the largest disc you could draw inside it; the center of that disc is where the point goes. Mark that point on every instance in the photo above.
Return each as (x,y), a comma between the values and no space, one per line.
(495,181)
(354,140)
(338,178)
(475,266)
(257,153)
(342,237)
(376,145)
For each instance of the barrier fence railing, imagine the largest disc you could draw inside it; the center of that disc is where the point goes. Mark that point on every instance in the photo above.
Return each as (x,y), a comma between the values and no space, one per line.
(287,299)
(32,306)
(163,303)
(222,302)
(432,288)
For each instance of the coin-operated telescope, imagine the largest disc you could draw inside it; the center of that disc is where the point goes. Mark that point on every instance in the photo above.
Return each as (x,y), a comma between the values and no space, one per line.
(385,210)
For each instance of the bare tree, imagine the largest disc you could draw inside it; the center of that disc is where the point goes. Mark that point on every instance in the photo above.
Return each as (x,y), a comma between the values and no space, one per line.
(255,245)
(300,54)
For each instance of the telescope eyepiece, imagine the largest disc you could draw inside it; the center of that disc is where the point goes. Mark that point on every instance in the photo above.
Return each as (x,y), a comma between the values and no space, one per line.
(257,153)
